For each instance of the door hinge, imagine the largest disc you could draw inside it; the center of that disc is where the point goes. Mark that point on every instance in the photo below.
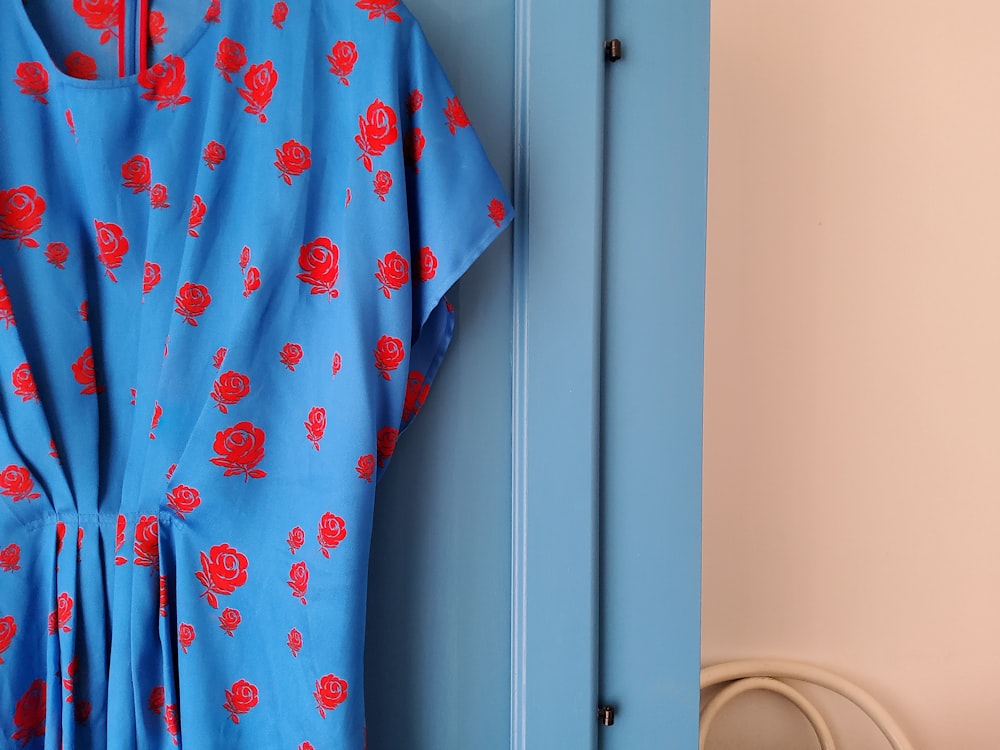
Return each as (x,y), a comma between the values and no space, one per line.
(613,50)
(606,715)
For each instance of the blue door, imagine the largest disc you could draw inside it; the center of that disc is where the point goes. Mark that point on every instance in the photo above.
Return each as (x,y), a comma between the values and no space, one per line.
(549,561)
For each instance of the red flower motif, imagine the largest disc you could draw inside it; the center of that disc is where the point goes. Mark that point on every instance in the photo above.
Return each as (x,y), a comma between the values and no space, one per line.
(17,484)
(335,365)
(198,209)
(393,272)
(57,253)
(223,570)
(164,600)
(183,499)
(84,311)
(185,636)
(279,14)
(428,264)
(455,115)
(347,198)
(260,81)
(147,542)
(173,721)
(309,746)
(81,65)
(219,357)
(415,101)
(244,258)
(214,12)
(137,173)
(6,309)
(342,58)
(21,210)
(8,629)
(150,276)
(229,388)
(230,58)
(10,559)
(69,121)
(229,620)
(413,148)
(157,27)
(157,413)
(71,671)
(158,196)
(156,699)
(192,300)
(291,355)
(293,160)
(60,617)
(416,394)
(497,211)
(240,698)
(380,9)
(377,130)
(315,425)
(60,536)
(165,82)
(330,692)
(320,264)
(29,713)
(112,246)
(366,467)
(24,383)
(101,15)
(294,641)
(296,538)
(332,532)
(33,80)
(251,282)
(120,539)
(298,580)
(386,443)
(389,354)
(240,448)
(382,183)
(81,710)
(214,153)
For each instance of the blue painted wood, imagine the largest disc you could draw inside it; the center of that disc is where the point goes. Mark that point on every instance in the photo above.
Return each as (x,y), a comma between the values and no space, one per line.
(652,372)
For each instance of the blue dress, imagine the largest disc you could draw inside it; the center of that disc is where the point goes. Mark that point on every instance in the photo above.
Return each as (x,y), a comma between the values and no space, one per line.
(226,230)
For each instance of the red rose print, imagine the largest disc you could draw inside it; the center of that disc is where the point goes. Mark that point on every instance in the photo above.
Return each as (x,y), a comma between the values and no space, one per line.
(21,210)
(158,196)
(59,619)
(386,443)
(156,699)
(150,276)
(291,355)
(382,183)
(240,448)
(347,198)
(120,539)
(17,484)
(137,173)
(296,538)
(8,629)
(497,211)
(413,148)
(165,82)
(81,65)
(24,383)
(83,312)
(192,300)
(279,14)
(214,154)
(342,58)
(293,160)
(57,253)
(229,620)
(101,15)
(185,636)
(456,115)
(60,536)
(251,282)
(183,499)
(416,394)
(52,450)
(332,532)
(198,209)
(335,365)
(389,353)
(230,58)
(309,746)
(6,309)
(10,559)
(71,671)
(79,538)
(244,258)
(214,12)
(112,246)
(428,264)
(260,81)
(330,692)
(294,641)
(33,80)
(366,467)
(380,9)
(173,721)
(154,423)
(164,596)
(229,388)
(157,27)
(240,698)
(315,425)
(320,264)
(223,570)
(415,101)
(69,121)
(298,580)
(377,130)
(219,357)
(29,713)
(81,710)
(393,272)
(147,542)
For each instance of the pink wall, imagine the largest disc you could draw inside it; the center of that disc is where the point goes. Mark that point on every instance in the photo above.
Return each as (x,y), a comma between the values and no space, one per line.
(852,374)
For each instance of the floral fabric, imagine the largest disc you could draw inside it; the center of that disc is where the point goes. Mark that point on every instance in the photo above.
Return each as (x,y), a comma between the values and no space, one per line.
(221,300)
